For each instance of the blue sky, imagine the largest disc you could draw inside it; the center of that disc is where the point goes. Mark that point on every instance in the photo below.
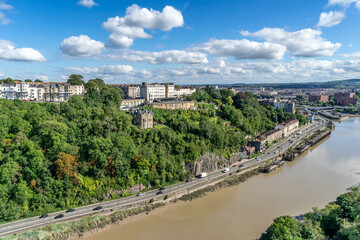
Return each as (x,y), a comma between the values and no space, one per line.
(189,42)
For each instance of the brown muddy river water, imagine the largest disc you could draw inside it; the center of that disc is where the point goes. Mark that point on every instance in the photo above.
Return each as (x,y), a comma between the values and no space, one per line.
(246,210)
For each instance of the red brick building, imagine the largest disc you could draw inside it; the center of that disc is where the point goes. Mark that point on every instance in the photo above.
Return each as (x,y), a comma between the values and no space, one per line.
(345,101)
(322,98)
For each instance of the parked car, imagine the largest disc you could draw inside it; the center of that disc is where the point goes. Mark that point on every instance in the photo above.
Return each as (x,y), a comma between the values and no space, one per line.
(70,210)
(140,194)
(241,165)
(97,208)
(189,180)
(225,170)
(159,192)
(44,216)
(59,216)
(162,188)
(235,165)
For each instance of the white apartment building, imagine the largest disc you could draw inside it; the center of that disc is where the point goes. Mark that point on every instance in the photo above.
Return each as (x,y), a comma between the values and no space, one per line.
(179,92)
(152,91)
(55,92)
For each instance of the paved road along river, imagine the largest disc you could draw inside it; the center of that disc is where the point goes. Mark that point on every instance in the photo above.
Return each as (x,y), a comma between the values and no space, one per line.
(246,210)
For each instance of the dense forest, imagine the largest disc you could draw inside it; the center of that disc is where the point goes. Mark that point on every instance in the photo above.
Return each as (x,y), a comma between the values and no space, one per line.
(56,156)
(338,220)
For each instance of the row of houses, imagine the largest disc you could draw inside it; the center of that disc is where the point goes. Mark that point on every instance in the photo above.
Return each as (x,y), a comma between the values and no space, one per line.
(259,144)
(153,91)
(50,91)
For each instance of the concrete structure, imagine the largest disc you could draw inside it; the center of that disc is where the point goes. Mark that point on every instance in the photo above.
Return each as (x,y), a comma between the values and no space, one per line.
(322,98)
(142,118)
(288,127)
(173,105)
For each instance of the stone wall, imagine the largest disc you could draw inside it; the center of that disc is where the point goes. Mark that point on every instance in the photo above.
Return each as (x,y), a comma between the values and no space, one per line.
(210,162)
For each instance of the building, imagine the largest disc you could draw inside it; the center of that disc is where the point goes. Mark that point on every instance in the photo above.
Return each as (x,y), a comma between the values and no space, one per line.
(131,91)
(28,91)
(259,144)
(272,135)
(288,107)
(153,91)
(173,105)
(130,103)
(143,118)
(246,151)
(344,95)
(288,127)
(315,98)
(179,92)
(345,101)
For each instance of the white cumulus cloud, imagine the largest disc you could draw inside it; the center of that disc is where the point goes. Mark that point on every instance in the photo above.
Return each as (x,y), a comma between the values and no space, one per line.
(9,52)
(102,70)
(87,3)
(303,43)
(137,19)
(328,19)
(343,3)
(242,49)
(170,56)
(82,46)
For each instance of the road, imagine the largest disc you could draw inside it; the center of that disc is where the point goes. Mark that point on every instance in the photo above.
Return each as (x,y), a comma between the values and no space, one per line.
(274,151)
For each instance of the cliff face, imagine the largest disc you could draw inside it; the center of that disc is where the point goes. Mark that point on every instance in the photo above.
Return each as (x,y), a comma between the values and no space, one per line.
(211,162)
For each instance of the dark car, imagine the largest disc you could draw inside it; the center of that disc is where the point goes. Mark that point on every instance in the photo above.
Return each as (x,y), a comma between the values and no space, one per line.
(159,192)
(59,216)
(97,208)
(44,216)
(241,165)
(189,180)
(70,210)
(162,188)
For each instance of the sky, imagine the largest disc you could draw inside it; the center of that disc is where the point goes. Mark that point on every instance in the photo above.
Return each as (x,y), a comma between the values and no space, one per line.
(181,41)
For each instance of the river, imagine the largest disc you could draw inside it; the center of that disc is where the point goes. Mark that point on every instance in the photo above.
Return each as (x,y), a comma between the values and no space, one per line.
(246,210)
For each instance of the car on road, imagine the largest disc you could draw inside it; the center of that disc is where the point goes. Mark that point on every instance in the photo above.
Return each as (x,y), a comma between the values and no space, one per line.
(269,152)
(241,165)
(59,216)
(159,192)
(97,208)
(162,188)
(140,194)
(70,210)
(189,180)
(225,170)
(44,216)
(276,152)
(235,165)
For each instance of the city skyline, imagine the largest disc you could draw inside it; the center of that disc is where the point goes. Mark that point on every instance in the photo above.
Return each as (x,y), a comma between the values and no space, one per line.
(185,42)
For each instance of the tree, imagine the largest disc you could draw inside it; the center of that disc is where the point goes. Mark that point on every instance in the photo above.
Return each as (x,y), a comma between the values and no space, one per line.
(76,79)
(28,80)
(66,164)
(9,80)
(38,81)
